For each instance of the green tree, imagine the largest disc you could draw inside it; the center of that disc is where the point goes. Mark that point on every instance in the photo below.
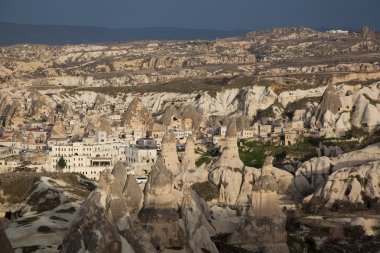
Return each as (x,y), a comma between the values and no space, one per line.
(61,163)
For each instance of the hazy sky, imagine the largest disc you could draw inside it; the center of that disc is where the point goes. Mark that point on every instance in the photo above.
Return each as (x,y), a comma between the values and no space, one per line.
(215,14)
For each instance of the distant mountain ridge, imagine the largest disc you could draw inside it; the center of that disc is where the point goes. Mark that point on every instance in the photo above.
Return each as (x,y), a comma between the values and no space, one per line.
(58,35)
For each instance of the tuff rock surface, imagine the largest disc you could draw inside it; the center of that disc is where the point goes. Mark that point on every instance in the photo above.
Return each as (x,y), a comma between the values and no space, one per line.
(262,228)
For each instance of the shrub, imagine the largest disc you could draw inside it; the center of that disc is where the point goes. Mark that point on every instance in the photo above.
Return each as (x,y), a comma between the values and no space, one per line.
(61,163)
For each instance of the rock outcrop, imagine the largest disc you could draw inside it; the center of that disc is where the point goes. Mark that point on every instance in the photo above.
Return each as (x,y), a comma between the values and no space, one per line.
(330,103)
(100,101)
(229,158)
(353,185)
(58,131)
(40,108)
(103,124)
(160,208)
(136,115)
(262,228)
(169,153)
(357,157)
(158,192)
(312,175)
(90,129)
(67,109)
(94,230)
(283,179)
(104,222)
(174,219)
(365,114)
(132,194)
(189,112)
(226,170)
(172,117)
(188,159)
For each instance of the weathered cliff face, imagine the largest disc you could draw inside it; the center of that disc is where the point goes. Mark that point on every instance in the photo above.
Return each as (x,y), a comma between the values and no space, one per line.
(41,207)
(312,175)
(132,63)
(239,101)
(231,76)
(94,229)
(352,185)
(351,105)
(330,103)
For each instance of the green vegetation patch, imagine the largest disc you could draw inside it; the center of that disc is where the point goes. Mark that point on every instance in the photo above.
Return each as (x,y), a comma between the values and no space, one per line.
(253,159)
(202,160)
(253,153)
(206,157)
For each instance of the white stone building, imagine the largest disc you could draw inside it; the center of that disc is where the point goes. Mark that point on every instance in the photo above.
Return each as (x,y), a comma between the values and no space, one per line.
(88,158)
(135,154)
(221,130)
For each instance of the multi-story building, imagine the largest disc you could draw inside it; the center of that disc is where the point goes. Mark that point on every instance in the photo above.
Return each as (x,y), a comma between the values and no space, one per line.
(140,155)
(221,130)
(88,158)
(265,130)
(147,142)
(245,134)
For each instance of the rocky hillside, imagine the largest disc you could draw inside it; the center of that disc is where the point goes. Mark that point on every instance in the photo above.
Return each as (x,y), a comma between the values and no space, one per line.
(40,208)
(287,57)
(281,74)
(354,106)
